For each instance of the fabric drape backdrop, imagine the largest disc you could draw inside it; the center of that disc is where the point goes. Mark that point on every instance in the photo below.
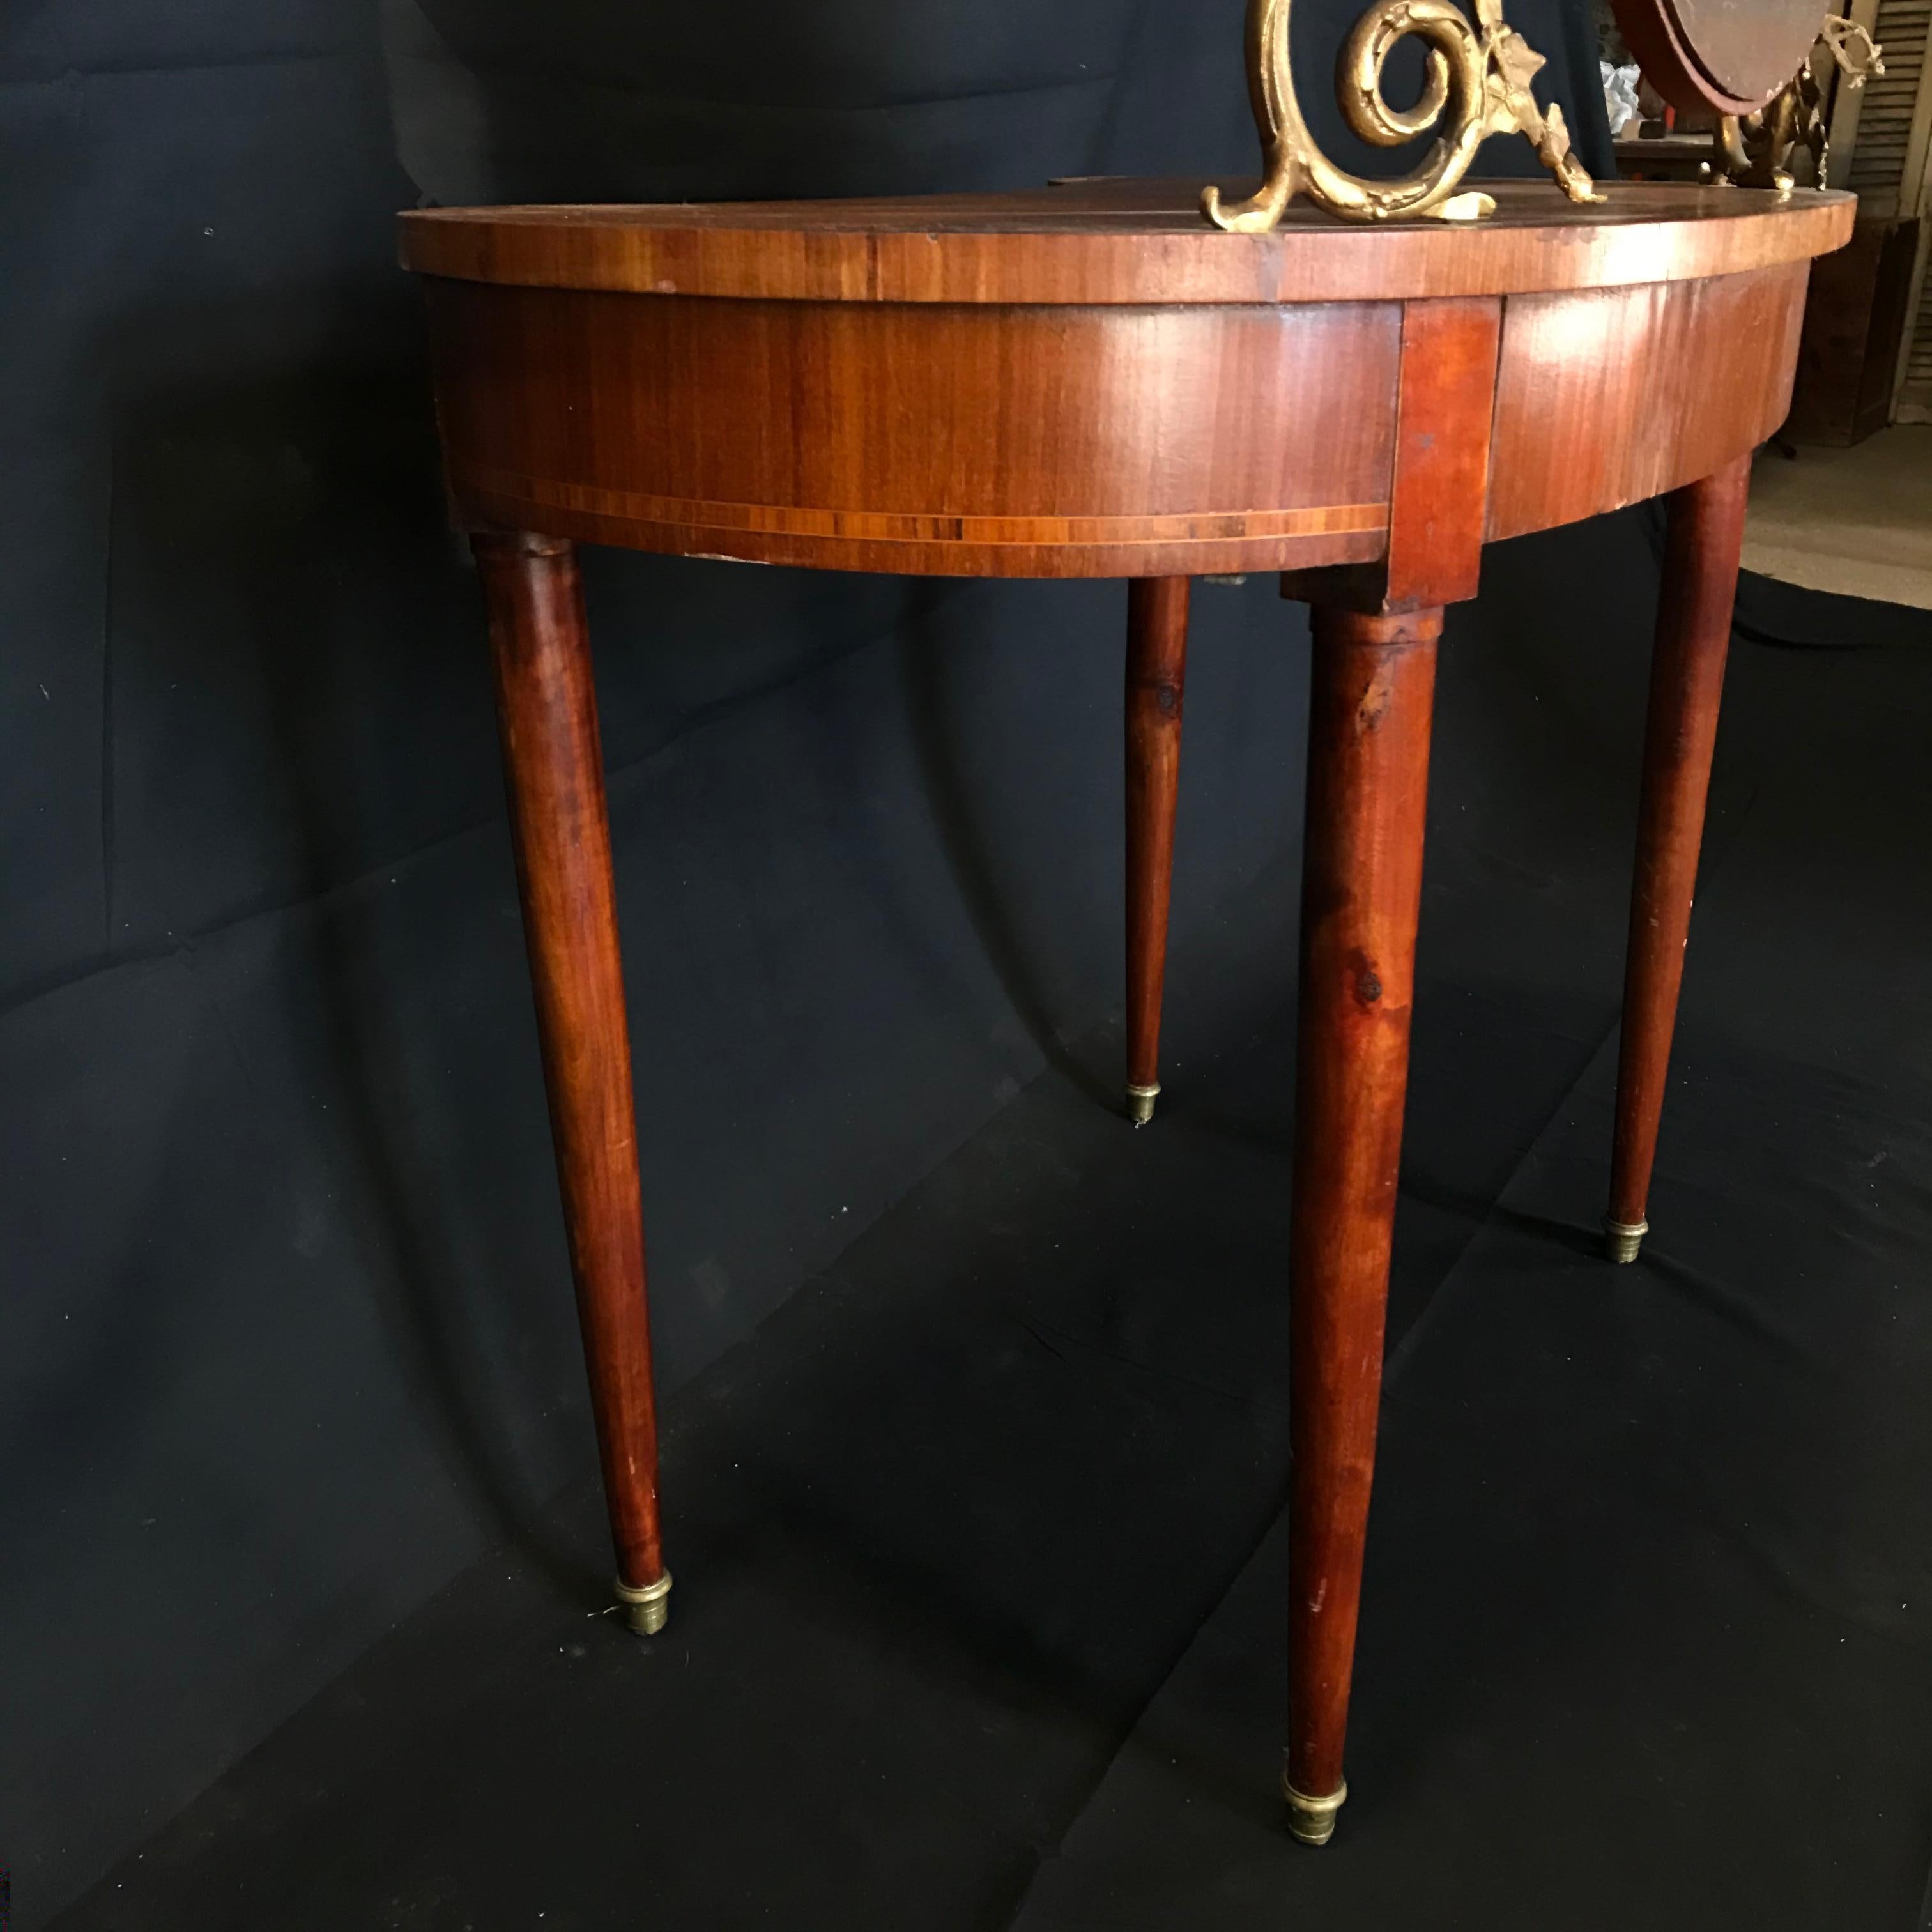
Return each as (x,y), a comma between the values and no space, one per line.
(286,1335)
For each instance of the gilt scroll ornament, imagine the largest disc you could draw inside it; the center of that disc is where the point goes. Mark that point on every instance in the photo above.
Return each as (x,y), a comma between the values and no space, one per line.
(1479,77)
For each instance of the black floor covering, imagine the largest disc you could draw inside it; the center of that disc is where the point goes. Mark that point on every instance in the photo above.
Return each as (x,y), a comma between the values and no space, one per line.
(978,1542)
(1645,1633)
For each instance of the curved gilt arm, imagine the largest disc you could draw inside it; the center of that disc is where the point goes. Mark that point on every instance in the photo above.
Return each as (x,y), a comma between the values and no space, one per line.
(1477,76)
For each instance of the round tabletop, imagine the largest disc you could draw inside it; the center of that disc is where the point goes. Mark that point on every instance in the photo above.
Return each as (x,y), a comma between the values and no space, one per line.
(1089,379)
(1123,240)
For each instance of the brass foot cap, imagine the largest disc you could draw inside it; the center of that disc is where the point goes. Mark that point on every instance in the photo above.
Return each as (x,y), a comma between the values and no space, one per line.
(1312,1820)
(1621,1239)
(646,1610)
(1140,1103)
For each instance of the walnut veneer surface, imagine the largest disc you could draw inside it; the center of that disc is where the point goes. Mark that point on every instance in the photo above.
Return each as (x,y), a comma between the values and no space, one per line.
(1086,380)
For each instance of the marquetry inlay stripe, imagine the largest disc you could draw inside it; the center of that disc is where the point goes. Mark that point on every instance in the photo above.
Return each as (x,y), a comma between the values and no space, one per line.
(893,527)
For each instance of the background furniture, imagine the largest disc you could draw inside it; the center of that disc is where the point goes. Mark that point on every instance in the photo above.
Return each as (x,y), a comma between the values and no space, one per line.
(1882,149)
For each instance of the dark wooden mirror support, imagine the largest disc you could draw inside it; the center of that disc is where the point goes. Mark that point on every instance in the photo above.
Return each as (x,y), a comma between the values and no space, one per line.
(1091,381)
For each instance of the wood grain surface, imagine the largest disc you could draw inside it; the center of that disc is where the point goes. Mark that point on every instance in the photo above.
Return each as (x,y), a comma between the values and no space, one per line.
(1370,708)
(1444,405)
(1156,681)
(1107,441)
(547,709)
(1687,680)
(1608,396)
(1445,395)
(967,440)
(1121,241)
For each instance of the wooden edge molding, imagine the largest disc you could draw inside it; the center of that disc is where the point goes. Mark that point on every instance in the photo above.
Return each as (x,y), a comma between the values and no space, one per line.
(1647,232)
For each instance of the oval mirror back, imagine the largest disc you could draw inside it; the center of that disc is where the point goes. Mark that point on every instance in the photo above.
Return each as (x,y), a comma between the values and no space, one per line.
(1725,56)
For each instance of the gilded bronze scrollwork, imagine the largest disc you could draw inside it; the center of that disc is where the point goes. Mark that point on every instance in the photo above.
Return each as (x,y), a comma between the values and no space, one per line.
(1755,150)
(1478,77)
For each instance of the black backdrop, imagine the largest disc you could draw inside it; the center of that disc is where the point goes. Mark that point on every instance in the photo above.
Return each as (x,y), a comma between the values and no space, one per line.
(286,1335)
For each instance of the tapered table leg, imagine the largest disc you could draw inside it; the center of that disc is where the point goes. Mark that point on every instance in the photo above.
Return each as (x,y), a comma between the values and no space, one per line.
(1686,676)
(1156,672)
(1371,703)
(547,709)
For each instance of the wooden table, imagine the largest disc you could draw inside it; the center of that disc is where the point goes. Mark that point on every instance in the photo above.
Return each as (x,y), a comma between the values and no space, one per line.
(1089,381)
